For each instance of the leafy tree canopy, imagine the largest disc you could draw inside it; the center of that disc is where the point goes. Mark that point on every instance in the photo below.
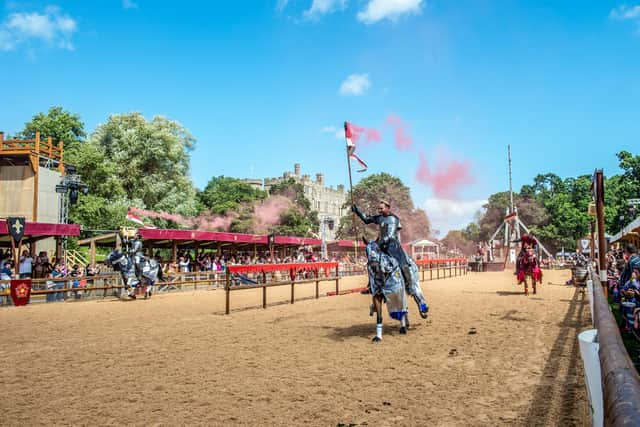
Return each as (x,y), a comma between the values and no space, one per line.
(367,195)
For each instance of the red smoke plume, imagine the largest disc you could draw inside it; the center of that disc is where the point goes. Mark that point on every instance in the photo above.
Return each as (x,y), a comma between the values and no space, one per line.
(402,140)
(202,222)
(369,134)
(268,213)
(448,177)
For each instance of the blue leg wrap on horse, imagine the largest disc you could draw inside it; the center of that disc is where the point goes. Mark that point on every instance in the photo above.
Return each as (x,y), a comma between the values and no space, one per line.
(398,315)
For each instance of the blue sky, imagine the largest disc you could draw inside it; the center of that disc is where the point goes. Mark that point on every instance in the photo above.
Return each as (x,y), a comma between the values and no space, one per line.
(265,84)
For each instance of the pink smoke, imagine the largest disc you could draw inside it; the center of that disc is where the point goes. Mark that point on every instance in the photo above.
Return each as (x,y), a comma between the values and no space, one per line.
(403,141)
(448,177)
(268,213)
(203,222)
(369,134)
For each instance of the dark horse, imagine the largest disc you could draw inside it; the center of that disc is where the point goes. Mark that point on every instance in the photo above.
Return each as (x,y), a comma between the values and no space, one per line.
(386,285)
(144,273)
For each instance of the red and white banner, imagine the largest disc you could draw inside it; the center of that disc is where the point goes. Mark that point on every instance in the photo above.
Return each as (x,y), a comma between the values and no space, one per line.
(133,218)
(351,146)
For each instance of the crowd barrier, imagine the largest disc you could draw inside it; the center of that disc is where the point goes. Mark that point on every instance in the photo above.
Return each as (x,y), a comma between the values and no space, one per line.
(454,266)
(619,380)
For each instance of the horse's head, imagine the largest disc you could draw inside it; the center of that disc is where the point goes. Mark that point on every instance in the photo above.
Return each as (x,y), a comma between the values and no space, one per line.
(373,252)
(116,259)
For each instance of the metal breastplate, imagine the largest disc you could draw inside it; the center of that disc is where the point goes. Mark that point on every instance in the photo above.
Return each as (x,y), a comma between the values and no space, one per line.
(389,226)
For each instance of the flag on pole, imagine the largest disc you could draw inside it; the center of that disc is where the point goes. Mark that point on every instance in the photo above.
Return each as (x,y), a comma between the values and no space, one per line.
(134,218)
(350,136)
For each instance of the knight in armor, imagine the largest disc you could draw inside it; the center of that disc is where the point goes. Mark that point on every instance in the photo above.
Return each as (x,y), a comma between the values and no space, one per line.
(527,260)
(389,242)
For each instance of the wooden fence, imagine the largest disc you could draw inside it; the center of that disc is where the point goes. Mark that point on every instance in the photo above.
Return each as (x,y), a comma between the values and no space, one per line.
(620,381)
(454,266)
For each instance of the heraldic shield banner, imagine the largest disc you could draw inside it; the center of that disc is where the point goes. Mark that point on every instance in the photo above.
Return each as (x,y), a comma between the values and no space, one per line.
(15,225)
(20,291)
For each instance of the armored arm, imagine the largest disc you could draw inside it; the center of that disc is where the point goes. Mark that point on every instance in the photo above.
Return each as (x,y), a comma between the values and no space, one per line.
(365,218)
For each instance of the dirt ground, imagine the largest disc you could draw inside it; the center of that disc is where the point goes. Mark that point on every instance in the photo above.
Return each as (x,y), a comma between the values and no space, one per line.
(178,360)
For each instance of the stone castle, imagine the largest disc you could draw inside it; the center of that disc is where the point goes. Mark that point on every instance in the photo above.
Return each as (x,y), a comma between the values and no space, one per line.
(327,201)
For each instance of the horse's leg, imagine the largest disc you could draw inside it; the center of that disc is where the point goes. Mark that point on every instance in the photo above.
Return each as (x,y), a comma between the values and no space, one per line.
(526,286)
(412,287)
(404,323)
(377,303)
(533,283)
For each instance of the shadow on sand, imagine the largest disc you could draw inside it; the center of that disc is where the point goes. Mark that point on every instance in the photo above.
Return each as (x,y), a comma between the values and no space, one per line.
(561,392)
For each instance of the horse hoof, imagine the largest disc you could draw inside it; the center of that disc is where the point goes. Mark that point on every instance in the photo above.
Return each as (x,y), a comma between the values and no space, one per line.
(376,339)
(132,296)
(424,311)
(403,330)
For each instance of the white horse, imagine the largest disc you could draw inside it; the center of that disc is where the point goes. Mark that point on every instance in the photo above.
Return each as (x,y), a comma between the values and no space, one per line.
(386,285)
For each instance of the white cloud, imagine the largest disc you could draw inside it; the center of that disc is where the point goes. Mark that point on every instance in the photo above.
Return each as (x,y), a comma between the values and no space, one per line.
(355,85)
(448,215)
(324,7)
(337,133)
(52,27)
(129,4)
(378,10)
(624,12)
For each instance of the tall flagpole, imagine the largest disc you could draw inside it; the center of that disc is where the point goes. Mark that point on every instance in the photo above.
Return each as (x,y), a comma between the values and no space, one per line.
(353,203)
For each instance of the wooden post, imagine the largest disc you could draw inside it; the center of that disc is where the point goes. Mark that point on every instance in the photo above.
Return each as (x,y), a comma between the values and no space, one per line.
(430,271)
(36,180)
(92,252)
(337,279)
(61,164)
(264,297)
(174,251)
(292,292)
(227,289)
(599,184)
(438,270)
(1,140)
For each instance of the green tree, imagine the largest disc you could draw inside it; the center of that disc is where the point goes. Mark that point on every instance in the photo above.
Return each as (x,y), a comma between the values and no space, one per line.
(300,219)
(225,194)
(151,160)
(60,125)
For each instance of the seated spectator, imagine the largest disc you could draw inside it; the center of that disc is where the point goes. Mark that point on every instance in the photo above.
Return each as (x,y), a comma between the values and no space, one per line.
(6,273)
(632,262)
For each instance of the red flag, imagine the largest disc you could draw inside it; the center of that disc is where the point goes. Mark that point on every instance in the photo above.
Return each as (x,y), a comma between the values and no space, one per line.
(351,146)
(133,218)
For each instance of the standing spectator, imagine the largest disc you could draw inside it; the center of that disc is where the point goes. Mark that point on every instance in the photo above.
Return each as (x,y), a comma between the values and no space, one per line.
(632,261)
(76,274)
(184,264)
(26,265)
(57,273)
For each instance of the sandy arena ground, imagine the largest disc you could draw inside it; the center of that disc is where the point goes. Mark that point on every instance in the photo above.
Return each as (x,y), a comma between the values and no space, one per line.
(178,360)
